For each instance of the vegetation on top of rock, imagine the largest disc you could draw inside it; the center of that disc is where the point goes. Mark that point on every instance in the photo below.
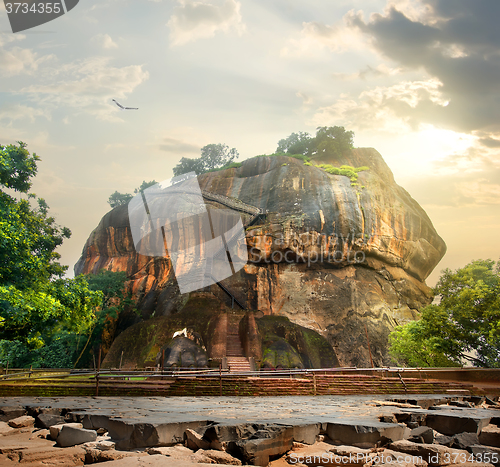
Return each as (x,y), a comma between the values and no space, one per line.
(301,157)
(296,143)
(231,165)
(117,199)
(213,156)
(464,326)
(345,170)
(328,142)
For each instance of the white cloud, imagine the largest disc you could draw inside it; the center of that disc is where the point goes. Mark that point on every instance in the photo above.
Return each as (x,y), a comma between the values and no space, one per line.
(193,20)
(6,38)
(382,108)
(381,70)
(416,10)
(306,99)
(315,37)
(21,112)
(92,77)
(18,60)
(104,41)
(87,85)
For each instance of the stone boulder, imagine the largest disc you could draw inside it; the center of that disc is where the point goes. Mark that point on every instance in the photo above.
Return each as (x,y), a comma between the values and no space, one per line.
(54,430)
(365,435)
(451,424)
(183,352)
(46,420)
(287,345)
(72,436)
(422,434)
(340,258)
(22,422)
(5,428)
(490,436)
(8,413)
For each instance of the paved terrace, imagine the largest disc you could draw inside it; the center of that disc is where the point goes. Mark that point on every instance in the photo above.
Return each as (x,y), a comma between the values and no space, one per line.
(230,410)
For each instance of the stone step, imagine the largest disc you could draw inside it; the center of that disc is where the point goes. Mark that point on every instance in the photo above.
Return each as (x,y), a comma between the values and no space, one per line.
(238,364)
(233,342)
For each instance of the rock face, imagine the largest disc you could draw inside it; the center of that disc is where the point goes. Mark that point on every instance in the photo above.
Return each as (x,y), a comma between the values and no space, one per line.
(183,352)
(347,261)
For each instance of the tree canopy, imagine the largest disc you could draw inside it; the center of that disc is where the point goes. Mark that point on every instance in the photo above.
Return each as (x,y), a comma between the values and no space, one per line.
(117,199)
(114,299)
(213,156)
(37,305)
(463,326)
(29,235)
(296,143)
(329,142)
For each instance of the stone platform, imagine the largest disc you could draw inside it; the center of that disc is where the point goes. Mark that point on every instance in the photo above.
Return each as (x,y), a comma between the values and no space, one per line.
(259,429)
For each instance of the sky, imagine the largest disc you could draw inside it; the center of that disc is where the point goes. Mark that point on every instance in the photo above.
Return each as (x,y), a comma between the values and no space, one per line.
(418,80)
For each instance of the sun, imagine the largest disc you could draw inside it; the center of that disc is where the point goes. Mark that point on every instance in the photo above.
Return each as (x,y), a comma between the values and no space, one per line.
(419,153)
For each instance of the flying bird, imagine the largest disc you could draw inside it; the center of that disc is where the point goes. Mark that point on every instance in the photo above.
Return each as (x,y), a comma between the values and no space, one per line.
(124,108)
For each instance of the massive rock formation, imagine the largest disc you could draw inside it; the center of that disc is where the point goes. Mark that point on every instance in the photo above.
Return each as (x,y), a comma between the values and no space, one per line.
(347,260)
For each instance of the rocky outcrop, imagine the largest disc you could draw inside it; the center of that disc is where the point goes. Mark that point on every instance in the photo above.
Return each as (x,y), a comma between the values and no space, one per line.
(184,432)
(283,344)
(183,352)
(141,344)
(346,260)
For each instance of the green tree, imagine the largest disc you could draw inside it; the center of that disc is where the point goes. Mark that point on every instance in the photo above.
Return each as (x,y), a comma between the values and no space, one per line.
(296,143)
(410,346)
(114,299)
(331,142)
(36,303)
(213,156)
(117,199)
(187,165)
(464,326)
(145,185)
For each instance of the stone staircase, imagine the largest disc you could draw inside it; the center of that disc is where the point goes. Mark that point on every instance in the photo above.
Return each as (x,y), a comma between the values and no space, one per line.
(236,360)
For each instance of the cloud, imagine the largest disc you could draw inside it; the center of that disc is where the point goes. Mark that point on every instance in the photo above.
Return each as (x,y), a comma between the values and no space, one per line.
(490,142)
(178,146)
(469,177)
(316,36)
(391,108)
(458,46)
(87,85)
(381,70)
(18,60)
(466,190)
(104,41)
(480,191)
(306,99)
(21,112)
(193,20)
(5,38)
